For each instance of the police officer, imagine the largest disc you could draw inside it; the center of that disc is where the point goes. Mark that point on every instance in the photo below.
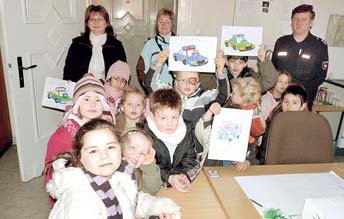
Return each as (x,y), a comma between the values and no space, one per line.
(302,54)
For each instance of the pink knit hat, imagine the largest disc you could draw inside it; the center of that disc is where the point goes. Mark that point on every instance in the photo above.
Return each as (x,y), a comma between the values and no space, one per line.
(119,69)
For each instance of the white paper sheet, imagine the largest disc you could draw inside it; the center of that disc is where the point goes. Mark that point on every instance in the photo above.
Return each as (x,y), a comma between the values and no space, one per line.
(229,135)
(241,41)
(57,93)
(190,53)
(324,208)
(288,192)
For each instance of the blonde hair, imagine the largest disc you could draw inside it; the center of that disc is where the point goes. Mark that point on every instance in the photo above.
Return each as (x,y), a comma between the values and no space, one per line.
(121,120)
(249,89)
(161,12)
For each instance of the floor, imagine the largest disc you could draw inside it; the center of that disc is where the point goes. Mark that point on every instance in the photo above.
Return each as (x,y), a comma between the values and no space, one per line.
(29,200)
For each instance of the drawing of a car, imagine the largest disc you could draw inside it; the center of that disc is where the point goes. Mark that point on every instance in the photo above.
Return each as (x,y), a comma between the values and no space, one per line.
(189,55)
(229,132)
(59,95)
(239,42)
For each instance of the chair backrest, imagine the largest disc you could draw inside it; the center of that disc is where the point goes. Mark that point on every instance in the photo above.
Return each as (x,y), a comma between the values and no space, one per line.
(299,137)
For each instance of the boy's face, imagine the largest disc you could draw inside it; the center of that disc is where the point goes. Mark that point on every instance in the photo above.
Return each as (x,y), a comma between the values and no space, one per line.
(187,82)
(137,149)
(166,119)
(101,153)
(236,66)
(118,83)
(292,102)
(282,83)
(133,106)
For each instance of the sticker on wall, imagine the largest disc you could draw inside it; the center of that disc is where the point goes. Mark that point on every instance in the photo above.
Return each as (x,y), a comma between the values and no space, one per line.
(195,54)
(57,93)
(241,41)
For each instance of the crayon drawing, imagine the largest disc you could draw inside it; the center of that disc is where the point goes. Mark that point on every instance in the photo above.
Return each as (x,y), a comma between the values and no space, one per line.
(241,41)
(57,93)
(229,135)
(194,54)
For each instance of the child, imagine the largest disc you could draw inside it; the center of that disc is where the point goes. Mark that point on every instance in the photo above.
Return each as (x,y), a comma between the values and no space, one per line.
(196,101)
(294,98)
(133,103)
(94,181)
(247,95)
(88,103)
(174,139)
(273,97)
(117,80)
(137,147)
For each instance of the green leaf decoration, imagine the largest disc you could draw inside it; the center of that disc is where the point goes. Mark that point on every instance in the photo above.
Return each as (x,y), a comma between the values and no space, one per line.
(274,213)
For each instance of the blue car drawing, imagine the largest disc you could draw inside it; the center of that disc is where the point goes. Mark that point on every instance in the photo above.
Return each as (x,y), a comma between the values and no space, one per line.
(189,55)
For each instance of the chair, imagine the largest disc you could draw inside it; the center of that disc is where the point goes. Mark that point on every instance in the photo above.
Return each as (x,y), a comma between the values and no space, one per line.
(298,138)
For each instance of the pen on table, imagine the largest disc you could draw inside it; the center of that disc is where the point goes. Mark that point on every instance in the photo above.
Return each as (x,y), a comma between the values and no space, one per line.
(256,203)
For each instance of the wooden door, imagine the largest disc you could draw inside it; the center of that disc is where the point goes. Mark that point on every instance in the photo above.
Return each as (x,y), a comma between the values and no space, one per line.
(5,126)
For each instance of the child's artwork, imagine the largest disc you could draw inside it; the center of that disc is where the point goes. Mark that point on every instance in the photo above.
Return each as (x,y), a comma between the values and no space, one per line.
(241,41)
(57,93)
(229,135)
(195,54)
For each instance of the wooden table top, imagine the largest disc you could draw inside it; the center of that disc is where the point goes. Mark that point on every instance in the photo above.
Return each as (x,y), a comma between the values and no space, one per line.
(233,199)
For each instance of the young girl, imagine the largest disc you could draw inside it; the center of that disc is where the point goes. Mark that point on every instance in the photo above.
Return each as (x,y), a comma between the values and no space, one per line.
(137,147)
(133,104)
(294,98)
(94,182)
(273,97)
(247,95)
(117,80)
(89,103)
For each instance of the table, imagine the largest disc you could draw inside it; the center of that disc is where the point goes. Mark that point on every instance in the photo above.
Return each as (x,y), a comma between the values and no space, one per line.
(201,202)
(234,201)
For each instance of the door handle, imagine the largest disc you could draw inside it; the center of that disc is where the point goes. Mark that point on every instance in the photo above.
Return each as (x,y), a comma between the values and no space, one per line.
(20,70)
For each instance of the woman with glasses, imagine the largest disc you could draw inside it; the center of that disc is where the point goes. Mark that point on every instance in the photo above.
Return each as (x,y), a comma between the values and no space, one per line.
(149,55)
(96,49)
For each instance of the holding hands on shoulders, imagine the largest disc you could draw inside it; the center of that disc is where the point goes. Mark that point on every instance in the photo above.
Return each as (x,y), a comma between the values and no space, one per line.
(162,57)
(180,182)
(214,109)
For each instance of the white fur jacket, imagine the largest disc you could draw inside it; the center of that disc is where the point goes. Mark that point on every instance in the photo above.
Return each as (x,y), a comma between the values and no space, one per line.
(76,198)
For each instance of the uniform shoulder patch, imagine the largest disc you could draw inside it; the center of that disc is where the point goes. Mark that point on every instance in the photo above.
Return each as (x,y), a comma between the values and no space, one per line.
(323,41)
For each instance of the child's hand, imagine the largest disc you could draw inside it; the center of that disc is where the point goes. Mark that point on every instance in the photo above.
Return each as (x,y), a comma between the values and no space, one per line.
(261,53)
(180,183)
(162,57)
(241,166)
(220,62)
(149,157)
(214,109)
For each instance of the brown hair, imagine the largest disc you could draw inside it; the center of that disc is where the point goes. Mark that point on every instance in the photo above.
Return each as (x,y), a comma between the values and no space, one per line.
(102,11)
(161,12)
(283,72)
(165,98)
(302,9)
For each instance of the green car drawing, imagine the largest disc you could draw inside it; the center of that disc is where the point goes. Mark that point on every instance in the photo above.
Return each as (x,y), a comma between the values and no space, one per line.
(59,95)
(238,42)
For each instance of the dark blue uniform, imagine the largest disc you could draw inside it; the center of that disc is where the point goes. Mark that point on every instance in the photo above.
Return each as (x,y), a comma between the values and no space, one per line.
(306,61)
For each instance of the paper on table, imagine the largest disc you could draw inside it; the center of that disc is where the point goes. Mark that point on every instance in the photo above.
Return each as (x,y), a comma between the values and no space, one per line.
(322,208)
(288,192)
(229,135)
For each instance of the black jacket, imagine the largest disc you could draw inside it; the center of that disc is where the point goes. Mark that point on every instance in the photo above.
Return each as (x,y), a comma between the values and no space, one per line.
(80,53)
(184,157)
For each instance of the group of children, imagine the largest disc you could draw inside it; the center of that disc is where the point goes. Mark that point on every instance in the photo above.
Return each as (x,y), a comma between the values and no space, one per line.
(116,148)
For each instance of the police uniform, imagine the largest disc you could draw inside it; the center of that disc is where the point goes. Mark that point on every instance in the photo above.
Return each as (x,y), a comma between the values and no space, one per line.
(306,61)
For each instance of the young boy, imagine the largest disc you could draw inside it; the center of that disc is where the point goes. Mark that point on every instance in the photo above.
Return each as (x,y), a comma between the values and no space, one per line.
(294,98)
(195,100)
(175,139)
